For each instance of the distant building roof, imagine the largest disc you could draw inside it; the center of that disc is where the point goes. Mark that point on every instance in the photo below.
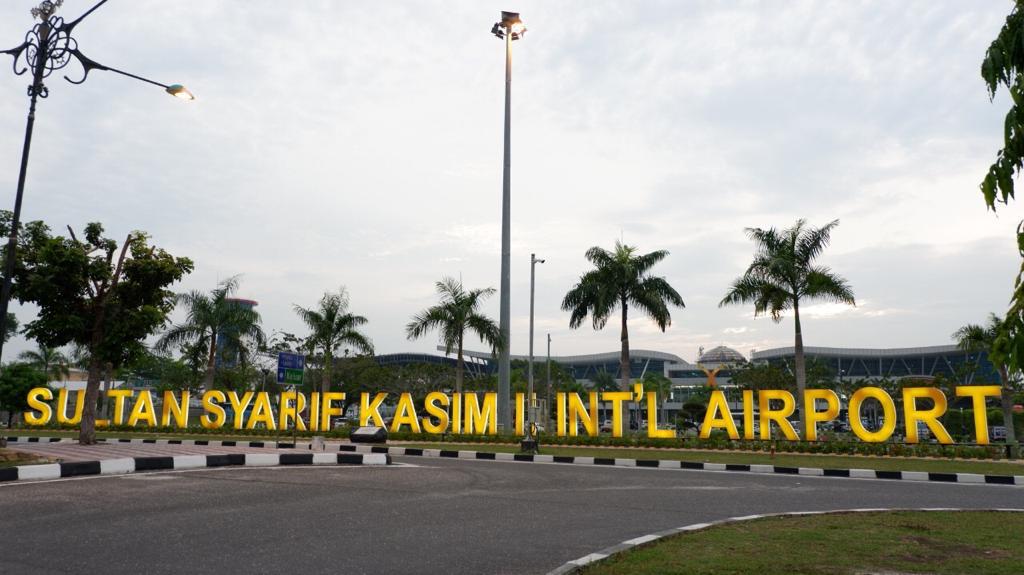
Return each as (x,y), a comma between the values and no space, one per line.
(857,351)
(721,355)
(634,354)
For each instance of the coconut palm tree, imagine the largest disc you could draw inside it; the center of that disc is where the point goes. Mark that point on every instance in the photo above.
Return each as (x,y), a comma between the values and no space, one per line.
(332,326)
(51,361)
(783,274)
(211,318)
(621,278)
(974,338)
(452,317)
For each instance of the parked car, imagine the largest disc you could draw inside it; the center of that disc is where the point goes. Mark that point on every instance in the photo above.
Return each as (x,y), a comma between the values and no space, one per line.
(840,426)
(606,426)
(997,433)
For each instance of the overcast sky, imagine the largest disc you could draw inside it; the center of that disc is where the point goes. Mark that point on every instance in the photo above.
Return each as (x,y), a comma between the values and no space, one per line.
(358,144)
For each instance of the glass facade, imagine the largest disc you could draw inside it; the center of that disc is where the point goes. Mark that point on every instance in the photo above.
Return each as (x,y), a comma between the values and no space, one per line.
(948,361)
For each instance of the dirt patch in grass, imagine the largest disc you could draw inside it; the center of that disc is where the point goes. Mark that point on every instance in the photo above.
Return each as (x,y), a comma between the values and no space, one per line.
(11,457)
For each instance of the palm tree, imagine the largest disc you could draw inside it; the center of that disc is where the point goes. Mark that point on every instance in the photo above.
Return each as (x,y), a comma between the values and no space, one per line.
(456,313)
(49,360)
(658,383)
(212,317)
(974,338)
(604,381)
(333,326)
(620,279)
(783,273)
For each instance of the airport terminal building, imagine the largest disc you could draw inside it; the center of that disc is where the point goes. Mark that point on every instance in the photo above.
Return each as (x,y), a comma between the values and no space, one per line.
(854,364)
(858,364)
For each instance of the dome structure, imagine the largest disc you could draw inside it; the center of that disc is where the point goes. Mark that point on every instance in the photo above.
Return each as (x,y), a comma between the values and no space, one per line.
(721,356)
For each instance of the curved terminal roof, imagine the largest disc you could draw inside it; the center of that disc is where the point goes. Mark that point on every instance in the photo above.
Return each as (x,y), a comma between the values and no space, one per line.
(611,356)
(857,352)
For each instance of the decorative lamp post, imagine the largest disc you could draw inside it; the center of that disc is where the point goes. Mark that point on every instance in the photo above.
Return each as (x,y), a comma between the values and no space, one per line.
(510,28)
(47,47)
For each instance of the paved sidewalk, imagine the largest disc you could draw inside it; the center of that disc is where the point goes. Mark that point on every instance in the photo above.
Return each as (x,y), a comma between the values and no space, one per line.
(68,451)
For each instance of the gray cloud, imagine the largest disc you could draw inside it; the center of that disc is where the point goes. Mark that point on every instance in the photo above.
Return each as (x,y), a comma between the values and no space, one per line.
(360,144)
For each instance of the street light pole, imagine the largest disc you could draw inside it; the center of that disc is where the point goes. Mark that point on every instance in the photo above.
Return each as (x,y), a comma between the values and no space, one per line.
(547,419)
(531,416)
(508,29)
(48,46)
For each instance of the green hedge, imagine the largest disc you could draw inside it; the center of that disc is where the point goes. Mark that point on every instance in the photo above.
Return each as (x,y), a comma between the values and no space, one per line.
(723,443)
(342,432)
(717,441)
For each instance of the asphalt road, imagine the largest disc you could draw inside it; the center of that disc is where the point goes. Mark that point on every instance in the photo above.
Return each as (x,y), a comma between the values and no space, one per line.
(438,516)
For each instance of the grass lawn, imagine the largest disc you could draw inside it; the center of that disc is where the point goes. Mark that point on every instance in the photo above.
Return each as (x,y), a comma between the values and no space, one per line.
(957,542)
(783,459)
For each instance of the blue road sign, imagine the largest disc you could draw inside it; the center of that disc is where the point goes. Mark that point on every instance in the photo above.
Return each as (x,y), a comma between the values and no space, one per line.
(290,367)
(291,360)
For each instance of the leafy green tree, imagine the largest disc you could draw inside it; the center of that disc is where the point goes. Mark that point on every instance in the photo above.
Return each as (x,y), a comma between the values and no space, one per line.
(16,380)
(694,410)
(211,317)
(332,325)
(783,274)
(758,376)
(621,278)
(11,327)
(103,298)
(974,338)
(452,317)
(1003,65)
(52,362)
(418,379)
(362,374)
(782,375)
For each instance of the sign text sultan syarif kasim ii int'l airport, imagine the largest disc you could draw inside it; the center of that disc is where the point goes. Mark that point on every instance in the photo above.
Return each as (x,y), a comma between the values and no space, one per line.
(476,413)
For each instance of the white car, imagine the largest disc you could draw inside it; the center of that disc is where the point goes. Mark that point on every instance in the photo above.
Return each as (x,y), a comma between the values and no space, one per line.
(997,433)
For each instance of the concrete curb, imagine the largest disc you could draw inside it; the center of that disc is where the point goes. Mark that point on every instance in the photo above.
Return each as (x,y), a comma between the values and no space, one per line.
(27,473)
(933,477)
(972,478)
(575,565)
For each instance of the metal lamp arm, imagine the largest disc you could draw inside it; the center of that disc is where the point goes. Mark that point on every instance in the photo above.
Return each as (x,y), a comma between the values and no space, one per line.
(88,65)
(16,53)
(70,26)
